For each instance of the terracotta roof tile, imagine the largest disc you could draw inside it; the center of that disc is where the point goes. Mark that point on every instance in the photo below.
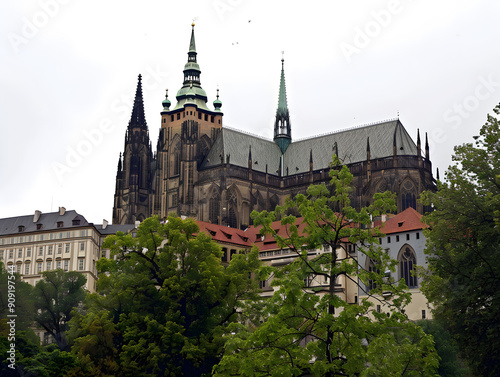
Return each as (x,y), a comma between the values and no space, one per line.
(404,221)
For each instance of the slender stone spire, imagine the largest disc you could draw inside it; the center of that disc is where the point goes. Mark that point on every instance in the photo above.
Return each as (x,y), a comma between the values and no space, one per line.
(427,156)
(120,163)
(419,145)
(191,91)
(282,128)
(138,118)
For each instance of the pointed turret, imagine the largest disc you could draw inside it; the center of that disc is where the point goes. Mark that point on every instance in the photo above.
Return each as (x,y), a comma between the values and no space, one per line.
(282,129)
(120,163)
(166,102)
(217,102)
(138,118)
(426,147)
(419,146)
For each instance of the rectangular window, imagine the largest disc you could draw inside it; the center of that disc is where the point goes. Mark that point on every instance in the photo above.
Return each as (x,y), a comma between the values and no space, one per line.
(59,249)
(418,235)
(378,309)
(58,264)
(20,253)
(27,269)
(39,267)
(423,314)
(28,252)
(408,237)
(11,253)
(82,246)
(81,262)
(397,238)
(40,250)
(49,265)
(50,250)
(18,268)
(66,264)
(67,248)
(388,239)
(380,241)
(1,254)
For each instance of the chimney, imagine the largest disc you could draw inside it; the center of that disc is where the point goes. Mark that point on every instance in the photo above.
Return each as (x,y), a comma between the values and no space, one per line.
(36,217)
(104,224)
(62,211)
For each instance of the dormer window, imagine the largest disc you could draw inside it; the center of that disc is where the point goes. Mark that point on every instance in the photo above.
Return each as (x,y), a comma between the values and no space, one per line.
(76,222)
(60,224)
(20,228)
(39,226)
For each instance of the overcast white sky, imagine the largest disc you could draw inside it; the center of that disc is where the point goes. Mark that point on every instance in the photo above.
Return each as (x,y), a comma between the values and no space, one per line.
(68,73)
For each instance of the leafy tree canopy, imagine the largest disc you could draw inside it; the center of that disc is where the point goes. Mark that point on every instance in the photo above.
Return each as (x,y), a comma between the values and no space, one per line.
(54,298)
(301,331)
(463,277)
(164,303)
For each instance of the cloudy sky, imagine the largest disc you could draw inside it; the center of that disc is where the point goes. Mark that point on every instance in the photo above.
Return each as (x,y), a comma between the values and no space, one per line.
(68,73)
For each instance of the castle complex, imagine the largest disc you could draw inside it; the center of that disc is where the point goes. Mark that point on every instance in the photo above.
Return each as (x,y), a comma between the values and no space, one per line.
(212,173)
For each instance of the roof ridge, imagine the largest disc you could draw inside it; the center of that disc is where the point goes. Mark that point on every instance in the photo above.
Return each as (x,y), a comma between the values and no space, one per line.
(248,133)
(347,129)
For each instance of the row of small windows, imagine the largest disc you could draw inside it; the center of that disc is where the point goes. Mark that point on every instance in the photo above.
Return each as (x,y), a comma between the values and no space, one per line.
(45,237)
(40,250)
(48,266)
(388,238)
(184,113)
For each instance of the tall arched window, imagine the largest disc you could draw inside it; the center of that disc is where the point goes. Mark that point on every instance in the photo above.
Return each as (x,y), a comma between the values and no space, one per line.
(372,267)
(407,264)
(261,204)
(232,220)
(177,162)
(232,202)
(408,197)
(214,208)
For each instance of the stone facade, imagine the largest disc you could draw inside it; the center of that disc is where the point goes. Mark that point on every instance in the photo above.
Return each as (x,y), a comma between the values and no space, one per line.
(216,174)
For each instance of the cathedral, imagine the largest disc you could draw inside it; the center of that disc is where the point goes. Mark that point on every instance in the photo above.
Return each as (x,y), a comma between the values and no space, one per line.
(216,174)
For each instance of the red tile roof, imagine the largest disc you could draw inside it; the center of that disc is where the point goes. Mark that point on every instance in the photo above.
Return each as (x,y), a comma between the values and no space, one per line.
(220,233)
(404,221)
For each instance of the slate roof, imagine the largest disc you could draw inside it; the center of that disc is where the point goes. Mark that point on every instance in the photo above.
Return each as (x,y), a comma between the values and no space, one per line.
(237,144)
(351,147)
(113,228)
(9,226)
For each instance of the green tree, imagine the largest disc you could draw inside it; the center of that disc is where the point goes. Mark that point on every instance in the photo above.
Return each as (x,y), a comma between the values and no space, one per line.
(303,332)
(22,336)
(54,298)
(164,303)
(449,363)
(463,276)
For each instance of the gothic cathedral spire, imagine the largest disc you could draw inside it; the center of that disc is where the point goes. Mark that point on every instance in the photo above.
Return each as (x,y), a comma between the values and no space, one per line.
(133,181)
(282,129)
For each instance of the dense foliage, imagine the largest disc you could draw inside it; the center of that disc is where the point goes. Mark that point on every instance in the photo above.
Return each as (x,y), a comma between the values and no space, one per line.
(304,332)
(463,278)
(54,298)
(164,303)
